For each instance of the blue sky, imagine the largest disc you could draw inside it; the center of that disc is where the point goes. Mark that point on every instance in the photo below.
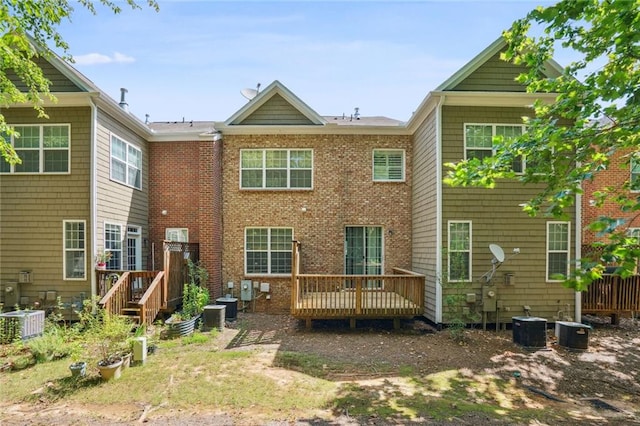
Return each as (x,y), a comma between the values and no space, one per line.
(191,59)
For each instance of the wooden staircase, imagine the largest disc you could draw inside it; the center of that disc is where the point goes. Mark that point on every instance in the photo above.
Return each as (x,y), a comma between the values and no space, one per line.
(139,295)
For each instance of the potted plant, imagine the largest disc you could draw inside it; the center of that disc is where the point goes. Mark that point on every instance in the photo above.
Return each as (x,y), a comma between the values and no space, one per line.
(194,298)
(110,334)
(101,259)
(77,367)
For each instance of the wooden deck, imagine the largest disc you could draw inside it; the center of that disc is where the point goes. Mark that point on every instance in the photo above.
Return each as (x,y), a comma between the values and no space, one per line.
(612,295)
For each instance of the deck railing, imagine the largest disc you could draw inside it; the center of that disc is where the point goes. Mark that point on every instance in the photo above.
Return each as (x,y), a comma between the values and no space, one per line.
(131,287)
(152,300)
(611,295)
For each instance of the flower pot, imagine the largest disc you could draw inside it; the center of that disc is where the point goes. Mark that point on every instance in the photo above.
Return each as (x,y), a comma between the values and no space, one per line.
(78,369)
(101,266)
(110,371)
(181,328)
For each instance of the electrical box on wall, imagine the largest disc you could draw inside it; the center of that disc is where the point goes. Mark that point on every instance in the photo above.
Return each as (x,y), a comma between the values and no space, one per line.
(489,299)
(246,290)
(24,277)
(509,278)
(264,287)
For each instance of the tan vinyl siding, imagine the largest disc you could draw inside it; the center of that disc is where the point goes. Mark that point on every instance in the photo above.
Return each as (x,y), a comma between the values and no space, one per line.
(118,203)
(424,211)
(59,83)
(495,75)
(276,111)
(33,207)
(497,218)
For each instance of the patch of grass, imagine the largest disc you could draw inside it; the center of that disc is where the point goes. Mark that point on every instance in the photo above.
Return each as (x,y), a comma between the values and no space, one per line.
(195,339)
(310,364)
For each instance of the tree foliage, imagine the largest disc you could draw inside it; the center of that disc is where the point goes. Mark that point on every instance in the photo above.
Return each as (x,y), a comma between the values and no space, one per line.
(596,114)
(29,30)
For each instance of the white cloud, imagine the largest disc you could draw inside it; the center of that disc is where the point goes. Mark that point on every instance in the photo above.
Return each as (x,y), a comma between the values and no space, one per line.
(99,58)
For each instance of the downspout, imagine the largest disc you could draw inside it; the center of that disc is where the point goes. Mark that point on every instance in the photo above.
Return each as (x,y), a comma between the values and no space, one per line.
(93,195)
(578,294)
(439,210)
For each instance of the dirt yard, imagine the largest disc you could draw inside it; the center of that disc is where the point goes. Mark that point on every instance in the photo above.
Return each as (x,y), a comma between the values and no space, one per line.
(599,384)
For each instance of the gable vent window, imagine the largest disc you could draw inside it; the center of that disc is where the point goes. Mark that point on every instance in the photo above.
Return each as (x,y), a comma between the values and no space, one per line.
(388,165)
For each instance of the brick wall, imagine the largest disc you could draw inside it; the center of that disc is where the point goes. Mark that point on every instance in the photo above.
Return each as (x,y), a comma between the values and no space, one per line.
(185,180)
(344,194)
(616,174)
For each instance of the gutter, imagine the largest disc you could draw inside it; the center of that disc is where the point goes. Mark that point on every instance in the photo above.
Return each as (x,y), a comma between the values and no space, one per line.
(438,312)
(93,194)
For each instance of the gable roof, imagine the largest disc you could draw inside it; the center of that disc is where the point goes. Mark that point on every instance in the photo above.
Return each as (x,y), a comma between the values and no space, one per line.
(553,69)
(284,108)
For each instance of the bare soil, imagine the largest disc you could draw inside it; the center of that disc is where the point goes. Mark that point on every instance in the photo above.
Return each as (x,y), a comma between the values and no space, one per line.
(600,383)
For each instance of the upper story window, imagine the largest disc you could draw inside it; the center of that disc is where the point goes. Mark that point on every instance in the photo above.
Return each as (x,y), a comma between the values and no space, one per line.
(180,235)
(459,250)
(635,172)
(42,149)
(276,169)
(74,249)
(388,165)
(478,141)
(557,250)
(126,163)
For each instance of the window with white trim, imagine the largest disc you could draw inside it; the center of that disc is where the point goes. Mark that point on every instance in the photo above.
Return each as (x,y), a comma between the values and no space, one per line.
(268,250)
(388,165)
(276,169)
(113,244)
(74,249)
(478,141)
(126,163)
(42,148)
(459,250)
(180,235)
(558,250)
(635,172)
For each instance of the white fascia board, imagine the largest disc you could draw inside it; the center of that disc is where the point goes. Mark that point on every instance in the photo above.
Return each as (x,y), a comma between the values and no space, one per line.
(311,130)
(108,105)
(495,99)
(181,137)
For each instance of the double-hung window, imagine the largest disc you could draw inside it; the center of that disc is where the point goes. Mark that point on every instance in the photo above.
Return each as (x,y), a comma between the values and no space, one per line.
(635,172)
(276,169)
(459,253)
(42,149)
(478,141)
(268,250)
(74,249)
(180,235)
(126,163)
(388,165)
(557,250)
(113,244)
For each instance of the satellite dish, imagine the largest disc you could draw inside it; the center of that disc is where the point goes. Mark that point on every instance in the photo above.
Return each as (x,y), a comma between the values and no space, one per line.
(497,252)
(249,93)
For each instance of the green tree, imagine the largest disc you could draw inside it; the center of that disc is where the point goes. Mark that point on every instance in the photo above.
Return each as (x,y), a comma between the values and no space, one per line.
(29,30)
(596,114)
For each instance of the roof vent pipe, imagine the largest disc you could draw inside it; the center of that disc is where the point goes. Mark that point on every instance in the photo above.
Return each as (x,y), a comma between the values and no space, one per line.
(123,103)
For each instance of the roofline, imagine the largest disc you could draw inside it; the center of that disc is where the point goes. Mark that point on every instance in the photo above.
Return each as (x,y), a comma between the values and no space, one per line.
(266,94)
(310,130)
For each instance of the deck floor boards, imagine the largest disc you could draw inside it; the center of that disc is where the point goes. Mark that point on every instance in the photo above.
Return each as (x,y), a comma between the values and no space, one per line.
(343,303)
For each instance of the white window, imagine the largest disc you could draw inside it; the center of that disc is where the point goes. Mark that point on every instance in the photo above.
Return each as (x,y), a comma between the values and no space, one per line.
(126,163)
(388,165)
(42,149)
(557,250)
(478,141)
(276,169)
(74,249)
(268,250)
(459,251)
(180,235)
(635,172)
(113,244)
